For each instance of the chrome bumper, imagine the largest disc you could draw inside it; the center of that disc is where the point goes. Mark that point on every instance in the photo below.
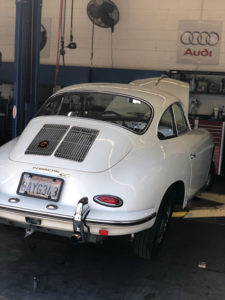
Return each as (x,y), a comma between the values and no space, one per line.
(78,225)
(120,223)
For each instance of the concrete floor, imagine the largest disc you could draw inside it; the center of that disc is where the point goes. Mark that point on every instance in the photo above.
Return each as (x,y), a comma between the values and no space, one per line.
(111,271)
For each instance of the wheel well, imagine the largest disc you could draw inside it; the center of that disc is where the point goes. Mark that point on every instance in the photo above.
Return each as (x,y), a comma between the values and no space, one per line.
(179,188)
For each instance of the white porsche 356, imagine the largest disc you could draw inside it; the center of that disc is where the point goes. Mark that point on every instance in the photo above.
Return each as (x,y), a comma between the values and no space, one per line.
(105,160)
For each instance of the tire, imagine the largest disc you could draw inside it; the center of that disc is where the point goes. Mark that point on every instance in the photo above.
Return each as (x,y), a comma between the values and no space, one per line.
(211,177)
(147,243)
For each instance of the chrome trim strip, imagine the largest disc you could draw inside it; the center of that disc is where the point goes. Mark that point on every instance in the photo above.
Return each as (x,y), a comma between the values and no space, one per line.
(89,90)
(120,223)
(65,218)
(25,212)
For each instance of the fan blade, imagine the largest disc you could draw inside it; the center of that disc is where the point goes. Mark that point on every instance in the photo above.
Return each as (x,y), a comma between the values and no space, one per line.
(94,10)
(106,8)
(107,20)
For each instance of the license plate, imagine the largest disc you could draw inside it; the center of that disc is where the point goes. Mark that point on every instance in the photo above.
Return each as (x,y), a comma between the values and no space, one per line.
(39,186)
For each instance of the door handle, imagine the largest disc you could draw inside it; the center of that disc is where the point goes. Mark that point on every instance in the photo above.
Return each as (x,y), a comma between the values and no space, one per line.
(192,155)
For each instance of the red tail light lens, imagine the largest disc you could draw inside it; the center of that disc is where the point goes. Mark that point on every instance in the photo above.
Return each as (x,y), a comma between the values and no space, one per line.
(111,201)
(103,232)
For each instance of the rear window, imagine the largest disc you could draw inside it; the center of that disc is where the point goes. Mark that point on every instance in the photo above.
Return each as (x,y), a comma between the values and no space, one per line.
(127,112)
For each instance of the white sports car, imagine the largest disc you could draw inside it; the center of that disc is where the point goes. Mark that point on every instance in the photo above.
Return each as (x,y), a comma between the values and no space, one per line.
(105,160)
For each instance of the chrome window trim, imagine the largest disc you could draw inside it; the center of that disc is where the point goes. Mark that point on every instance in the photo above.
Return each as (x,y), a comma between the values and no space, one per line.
(109,93)
(184,119)
(173,122)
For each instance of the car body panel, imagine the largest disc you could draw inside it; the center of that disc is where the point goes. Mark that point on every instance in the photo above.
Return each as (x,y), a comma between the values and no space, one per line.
(200,143)
(168,85)
(111,145)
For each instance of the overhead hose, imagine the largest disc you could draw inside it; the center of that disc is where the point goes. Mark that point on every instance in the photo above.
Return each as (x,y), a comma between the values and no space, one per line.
(58,44)
(92,52)
(62,50)
(71,22)
(72,44)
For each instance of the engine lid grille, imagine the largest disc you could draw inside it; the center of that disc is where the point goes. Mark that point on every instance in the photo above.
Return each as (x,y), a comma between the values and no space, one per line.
(47,139)
(77,143)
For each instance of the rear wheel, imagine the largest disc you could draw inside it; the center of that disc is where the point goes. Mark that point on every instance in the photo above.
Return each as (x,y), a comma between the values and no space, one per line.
(147,243)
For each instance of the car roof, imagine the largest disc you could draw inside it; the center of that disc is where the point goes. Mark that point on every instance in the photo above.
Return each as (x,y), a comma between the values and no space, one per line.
(154,96)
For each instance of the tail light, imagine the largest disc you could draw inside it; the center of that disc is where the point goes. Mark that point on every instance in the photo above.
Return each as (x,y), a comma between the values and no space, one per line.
(103,232)
(111,201)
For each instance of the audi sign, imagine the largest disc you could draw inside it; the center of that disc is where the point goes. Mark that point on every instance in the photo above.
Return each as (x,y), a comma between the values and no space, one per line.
(196,38)
(199,42)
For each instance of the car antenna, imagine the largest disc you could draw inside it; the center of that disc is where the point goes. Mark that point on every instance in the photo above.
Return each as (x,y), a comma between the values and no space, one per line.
(160,78)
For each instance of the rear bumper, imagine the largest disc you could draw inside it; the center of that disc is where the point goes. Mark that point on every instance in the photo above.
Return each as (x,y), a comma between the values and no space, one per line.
(65,223)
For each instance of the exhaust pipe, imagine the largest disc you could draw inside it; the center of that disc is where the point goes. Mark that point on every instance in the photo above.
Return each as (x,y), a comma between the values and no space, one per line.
(29,231)
(75,238)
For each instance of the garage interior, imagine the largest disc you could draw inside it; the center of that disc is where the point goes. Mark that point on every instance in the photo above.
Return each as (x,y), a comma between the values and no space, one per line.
(50,44)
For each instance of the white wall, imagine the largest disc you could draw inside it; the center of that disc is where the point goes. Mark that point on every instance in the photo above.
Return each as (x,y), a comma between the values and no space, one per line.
(145,38)
(7,29)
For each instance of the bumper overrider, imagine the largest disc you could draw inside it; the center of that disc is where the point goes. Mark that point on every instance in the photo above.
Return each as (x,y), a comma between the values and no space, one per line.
(82,226)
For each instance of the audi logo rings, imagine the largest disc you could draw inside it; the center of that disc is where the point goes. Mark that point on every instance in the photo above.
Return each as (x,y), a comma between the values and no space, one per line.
(196,38)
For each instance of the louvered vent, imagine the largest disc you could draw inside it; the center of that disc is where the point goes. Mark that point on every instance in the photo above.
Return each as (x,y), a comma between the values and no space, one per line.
(77,143)
(47,139)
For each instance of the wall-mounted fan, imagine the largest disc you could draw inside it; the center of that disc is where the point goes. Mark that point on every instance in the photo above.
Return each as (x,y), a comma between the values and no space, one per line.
(103,13)
(43,37)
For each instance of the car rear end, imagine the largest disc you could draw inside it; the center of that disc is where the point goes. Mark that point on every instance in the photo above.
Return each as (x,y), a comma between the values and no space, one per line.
(57,176)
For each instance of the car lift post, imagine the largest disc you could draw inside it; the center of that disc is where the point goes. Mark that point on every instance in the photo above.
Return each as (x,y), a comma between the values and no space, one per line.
(27,61)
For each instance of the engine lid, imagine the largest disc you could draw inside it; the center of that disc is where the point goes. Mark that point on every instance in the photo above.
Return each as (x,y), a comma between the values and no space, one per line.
(72,143)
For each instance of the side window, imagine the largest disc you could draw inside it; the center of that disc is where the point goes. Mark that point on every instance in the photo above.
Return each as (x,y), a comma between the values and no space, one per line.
(166,128)
(180,119)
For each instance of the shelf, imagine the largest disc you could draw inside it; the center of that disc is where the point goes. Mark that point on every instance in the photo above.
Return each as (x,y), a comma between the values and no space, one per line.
(202,80)
(207,93)
(175,72)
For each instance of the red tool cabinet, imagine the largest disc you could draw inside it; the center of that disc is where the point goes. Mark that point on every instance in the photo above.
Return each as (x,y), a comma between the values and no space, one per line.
(217,130)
